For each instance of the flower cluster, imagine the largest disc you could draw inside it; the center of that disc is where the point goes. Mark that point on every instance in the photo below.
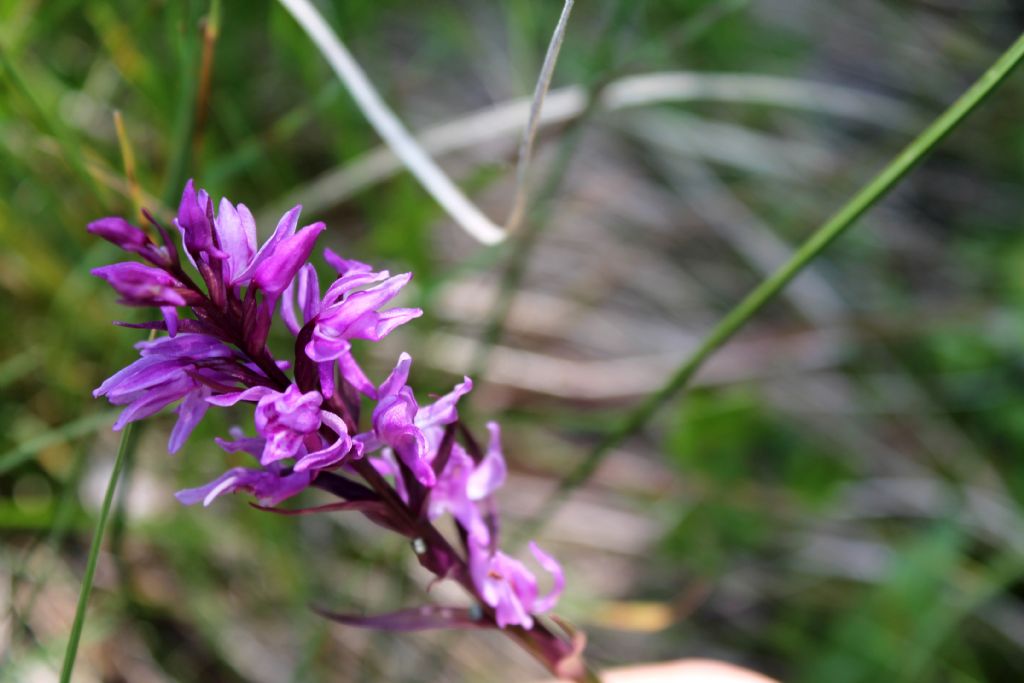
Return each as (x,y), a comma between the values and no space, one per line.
(417,462)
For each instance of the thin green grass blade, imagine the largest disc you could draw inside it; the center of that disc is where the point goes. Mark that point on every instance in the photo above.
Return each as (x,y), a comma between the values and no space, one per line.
(185,117)
(72,151)
(877,188)
(127,444)
(27,449)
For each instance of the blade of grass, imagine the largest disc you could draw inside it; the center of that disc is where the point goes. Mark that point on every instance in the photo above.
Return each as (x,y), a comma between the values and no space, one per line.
(523,242)
(185,116)
(390,128)
(128,161)
(28,448)
(211,31)
(407,148)
(70,653)
(547,70)
(71,151)
(877,188)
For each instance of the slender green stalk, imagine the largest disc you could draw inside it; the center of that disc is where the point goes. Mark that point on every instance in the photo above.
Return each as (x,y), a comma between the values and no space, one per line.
(127,443)
(868,196)
(72,151)
(29,448)
(185,115)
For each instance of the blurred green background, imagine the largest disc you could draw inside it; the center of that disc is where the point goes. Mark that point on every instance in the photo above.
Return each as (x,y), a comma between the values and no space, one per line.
(841,496)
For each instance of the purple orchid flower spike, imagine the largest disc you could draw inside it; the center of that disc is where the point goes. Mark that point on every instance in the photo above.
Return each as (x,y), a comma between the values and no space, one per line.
(423,462)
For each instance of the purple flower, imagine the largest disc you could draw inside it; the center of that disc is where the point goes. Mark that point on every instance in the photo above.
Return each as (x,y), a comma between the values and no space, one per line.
(399,422)
(130,238)
(275,272)
(236,232)
(304,428)
(464,485)
(306,289)
(169,369)
(505,584)
(345,266)
(141,285)
(274,265)
(230,237)
(270,485)
(290,423)
(195,221)
(347,314)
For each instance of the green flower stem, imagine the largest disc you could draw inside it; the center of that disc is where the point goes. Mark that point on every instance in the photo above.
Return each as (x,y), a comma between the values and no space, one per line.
(735,319)
(127,443)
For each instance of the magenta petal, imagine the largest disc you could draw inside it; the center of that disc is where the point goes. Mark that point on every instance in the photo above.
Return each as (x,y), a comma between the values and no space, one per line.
(345,266)
(170,314)
(323,348)
(285,229)
(552,567)
(236,234)
(195,213)
(278,269)
(390,320)
(490,474)
(358,304)
(349,282)
(355,376)
(120,232)
(190,412)
(142,285)
(250,394)
(399,376)
(308,293)
(248,444)
(443,410)
(325,371)
(334,453)
(305,291)
(291,321)
(411,447)
(269,488)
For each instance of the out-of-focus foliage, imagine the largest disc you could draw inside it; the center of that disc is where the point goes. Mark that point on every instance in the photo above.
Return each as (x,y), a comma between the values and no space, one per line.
(842,497)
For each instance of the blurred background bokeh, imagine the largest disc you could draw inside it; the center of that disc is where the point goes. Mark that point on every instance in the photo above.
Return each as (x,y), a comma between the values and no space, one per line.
(840,497)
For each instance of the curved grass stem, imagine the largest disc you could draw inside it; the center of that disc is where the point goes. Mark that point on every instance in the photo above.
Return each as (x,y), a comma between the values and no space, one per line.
(71,651)
(877,188)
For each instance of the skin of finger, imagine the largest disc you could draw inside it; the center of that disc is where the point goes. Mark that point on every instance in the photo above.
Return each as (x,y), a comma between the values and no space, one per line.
(684,671)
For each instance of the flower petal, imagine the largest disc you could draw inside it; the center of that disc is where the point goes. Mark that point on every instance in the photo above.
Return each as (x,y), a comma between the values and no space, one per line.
(489,475)
(190,412)
(552,567)
(250,394)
